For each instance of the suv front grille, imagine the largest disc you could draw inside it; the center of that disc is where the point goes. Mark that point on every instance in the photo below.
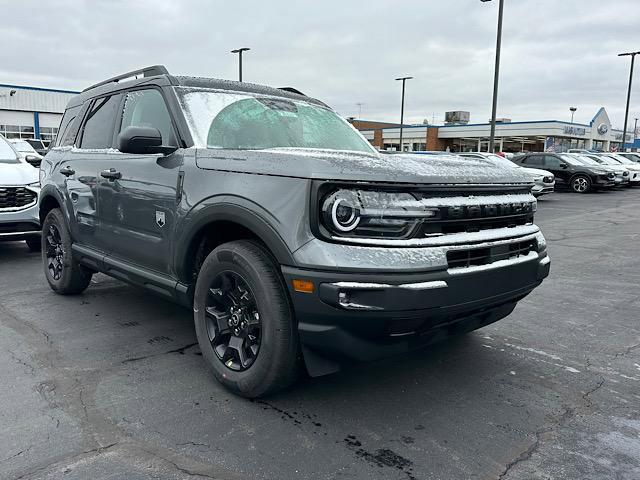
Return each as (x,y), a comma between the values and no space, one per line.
(16,197)
(486,256)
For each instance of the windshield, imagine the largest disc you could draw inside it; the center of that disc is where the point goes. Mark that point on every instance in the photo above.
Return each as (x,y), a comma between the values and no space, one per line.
(241,121)
(7,154)
(588,161)
(622,160)
(23,146)
(608,160)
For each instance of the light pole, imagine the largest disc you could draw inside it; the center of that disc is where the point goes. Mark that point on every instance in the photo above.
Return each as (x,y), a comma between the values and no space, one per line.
(573,111)
(626,112)
(239,52)
(404,79)
(359,104)
(635,131)
(496,75)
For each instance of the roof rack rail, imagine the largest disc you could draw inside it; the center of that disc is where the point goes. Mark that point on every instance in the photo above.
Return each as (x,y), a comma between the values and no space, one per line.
(145,72)
(292,90)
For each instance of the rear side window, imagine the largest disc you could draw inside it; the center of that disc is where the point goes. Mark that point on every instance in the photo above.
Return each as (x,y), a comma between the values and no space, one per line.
(533,160)
(98,128)
(64,137)
(146,108)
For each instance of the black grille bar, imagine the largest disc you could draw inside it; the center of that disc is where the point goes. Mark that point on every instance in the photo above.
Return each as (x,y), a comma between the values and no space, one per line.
(486,256)
(16,197)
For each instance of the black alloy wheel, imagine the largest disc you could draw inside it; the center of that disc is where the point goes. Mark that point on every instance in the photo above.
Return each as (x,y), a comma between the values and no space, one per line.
(54,252)
(233,322)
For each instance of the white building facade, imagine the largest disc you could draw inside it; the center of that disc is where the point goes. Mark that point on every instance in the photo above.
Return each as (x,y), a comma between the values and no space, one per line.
(32,112)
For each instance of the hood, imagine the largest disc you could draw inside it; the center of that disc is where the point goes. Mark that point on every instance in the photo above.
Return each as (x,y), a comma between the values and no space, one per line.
(356,166)
(18,174)
(537,172)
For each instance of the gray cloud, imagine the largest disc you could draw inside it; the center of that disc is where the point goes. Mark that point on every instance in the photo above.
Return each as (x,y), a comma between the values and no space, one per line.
(556,53)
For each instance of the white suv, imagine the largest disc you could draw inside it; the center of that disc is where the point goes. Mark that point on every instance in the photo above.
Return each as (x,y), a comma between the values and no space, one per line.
(19,191)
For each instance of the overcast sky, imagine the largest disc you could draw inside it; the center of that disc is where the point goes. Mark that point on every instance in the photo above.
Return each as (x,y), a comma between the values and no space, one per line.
(556,53)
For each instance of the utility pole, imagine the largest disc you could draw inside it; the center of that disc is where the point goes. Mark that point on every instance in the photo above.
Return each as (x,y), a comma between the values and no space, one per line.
(403,79)
(239,52)
(626,111)
(496,76)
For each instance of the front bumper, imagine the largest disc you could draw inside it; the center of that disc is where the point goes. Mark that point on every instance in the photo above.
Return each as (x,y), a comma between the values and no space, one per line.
(540,189)
(20,224)
(372,314)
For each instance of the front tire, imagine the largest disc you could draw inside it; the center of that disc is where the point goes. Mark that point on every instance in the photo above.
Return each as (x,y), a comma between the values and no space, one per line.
(581,184)
(64,274)
(244,321)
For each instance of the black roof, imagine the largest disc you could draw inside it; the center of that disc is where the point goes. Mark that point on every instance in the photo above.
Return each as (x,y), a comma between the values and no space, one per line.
(158,75)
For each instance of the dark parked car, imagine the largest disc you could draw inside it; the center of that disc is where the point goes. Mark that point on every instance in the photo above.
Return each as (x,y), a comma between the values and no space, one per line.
(290,237)
(569,171)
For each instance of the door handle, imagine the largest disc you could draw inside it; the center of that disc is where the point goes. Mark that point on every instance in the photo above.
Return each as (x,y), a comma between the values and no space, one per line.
(67,171)
(111,174)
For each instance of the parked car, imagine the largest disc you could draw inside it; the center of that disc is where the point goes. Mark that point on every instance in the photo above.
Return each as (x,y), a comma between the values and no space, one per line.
(26,152)
(634,168)
(19,189)
(633,156)
(569,171)
(38,145)
(288,235)
(544,181)
(623,174)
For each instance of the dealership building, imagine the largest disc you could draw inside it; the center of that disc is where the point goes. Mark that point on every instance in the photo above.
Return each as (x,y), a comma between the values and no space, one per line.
(32,112)
(533,136)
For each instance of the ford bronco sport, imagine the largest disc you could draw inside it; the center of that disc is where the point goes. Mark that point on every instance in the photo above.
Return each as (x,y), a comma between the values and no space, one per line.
(290,237)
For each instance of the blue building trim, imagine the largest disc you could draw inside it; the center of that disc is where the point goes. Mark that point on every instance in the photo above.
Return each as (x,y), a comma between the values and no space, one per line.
(38,89)
(36,124)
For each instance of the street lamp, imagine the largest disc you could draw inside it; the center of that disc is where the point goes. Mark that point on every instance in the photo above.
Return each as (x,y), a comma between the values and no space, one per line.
(239,52)
(573,111)
(635,131)
(404,79)
(359,104)
(496,75)
(626,112)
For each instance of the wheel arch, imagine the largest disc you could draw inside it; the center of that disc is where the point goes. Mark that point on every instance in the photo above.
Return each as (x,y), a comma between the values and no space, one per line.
(50,198)
(219,223)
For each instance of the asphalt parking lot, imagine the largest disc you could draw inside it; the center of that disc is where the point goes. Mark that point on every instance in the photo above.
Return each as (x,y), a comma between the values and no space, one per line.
(110,384)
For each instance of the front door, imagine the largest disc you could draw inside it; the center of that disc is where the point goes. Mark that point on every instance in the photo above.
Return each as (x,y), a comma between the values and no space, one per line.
(138,193)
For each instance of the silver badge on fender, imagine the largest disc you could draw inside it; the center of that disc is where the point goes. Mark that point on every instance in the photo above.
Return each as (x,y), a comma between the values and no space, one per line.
(160,220)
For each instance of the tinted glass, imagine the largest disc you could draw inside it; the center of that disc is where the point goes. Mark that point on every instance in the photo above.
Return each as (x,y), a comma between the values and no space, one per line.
(534,160)
(146,108)
(551,161)
(98,128)
(66,122)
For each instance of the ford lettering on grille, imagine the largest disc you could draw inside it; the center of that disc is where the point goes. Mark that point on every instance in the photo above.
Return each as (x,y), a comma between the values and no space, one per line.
(489,210)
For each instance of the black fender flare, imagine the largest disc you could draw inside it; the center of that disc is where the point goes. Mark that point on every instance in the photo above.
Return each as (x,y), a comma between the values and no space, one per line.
(50,191)
(236,210)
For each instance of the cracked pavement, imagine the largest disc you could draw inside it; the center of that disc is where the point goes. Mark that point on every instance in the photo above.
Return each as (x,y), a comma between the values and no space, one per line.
(111,385)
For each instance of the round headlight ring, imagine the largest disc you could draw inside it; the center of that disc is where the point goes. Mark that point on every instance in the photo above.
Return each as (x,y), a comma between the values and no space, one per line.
(344,217)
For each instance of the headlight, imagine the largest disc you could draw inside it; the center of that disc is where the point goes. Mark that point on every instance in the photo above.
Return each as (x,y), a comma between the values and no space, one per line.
(366,213)
(34,184)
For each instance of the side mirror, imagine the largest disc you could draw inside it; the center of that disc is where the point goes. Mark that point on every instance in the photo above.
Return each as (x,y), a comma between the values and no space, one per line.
(141,140)
(33,160)
(563,165)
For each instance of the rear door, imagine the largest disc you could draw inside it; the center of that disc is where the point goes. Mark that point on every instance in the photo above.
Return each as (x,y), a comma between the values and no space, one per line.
(81,164)
(137,202)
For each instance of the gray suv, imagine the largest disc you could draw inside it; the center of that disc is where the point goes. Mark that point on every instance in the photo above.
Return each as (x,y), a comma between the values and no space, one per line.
(293,240)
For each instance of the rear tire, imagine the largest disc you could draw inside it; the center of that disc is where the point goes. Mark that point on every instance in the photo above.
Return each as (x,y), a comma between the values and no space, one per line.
(581,184)
(34,243)
(239,284)
(64,274)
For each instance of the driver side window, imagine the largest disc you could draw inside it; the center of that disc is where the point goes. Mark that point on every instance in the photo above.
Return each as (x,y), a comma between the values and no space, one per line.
(146,108)
(551,162)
